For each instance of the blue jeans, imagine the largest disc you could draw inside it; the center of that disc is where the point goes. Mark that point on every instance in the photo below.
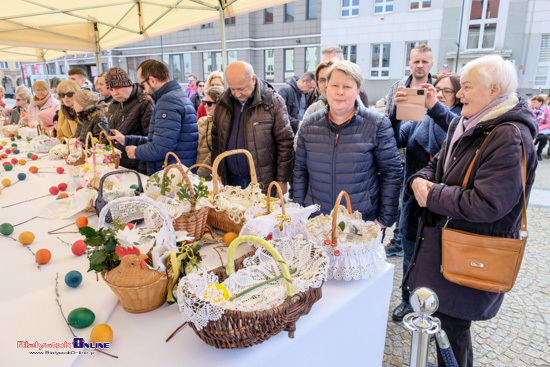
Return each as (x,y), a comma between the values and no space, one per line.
(408,249)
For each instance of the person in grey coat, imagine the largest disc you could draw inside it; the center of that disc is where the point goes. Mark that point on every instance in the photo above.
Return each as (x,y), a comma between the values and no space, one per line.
(490,205)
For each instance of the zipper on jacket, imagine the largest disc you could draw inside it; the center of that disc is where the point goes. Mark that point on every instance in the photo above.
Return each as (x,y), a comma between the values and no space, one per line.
(336,139)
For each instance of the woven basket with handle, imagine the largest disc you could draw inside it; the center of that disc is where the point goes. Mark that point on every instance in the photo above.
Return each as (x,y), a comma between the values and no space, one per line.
(220,219)
(193,221)
(113,157)
(146,292)
(83,151)
(240,329)
(100,202)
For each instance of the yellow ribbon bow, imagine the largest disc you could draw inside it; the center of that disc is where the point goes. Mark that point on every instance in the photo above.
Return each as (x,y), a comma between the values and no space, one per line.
(281,218)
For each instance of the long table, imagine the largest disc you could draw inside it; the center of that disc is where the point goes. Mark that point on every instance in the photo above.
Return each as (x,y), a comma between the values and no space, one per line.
(347,326)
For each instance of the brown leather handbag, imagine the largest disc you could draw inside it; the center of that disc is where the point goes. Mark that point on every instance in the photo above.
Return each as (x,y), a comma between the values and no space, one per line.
(484,262)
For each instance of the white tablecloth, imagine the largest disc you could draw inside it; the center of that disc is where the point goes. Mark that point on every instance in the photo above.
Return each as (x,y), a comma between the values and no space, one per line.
(346,327)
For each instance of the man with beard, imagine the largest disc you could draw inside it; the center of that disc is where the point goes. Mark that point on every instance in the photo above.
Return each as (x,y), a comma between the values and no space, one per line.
(129,113)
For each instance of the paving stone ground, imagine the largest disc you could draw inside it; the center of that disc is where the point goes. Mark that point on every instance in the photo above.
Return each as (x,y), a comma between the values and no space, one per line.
(520,333)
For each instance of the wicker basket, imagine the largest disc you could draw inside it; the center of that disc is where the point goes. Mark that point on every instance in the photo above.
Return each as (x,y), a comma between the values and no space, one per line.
(83,154)
(193,221)
(113,157)
(140,298)
(239,329)
(220,219)
(100,201)
(10,130)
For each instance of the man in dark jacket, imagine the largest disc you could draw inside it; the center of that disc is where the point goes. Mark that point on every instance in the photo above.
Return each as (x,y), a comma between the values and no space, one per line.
(294,93)
(173,126)
(251,115)
(129,113)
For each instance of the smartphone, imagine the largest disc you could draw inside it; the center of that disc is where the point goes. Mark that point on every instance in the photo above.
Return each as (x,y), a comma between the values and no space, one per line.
(413,108)
(105,127)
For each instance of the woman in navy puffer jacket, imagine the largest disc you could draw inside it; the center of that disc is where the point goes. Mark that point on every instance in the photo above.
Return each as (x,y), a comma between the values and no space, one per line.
(348,147)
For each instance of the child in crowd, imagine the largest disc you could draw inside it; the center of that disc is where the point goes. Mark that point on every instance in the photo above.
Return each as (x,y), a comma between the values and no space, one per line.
(538,106)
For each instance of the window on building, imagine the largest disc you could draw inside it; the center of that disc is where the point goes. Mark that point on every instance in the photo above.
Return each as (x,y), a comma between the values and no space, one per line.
(268,16)
(289,63)
(230,21)
(166,60)
(542,77)
(289,12)
(409,46)
(51,68)
(130,67)
(18,65)
(269,68)
(186,66)
(482,26)
(176,69)
(380,60)
(311,58)
(213,61)
(311,9)
(4,65)
(350,52)
(420,4)
(383,6)
(350,8)
(207,25)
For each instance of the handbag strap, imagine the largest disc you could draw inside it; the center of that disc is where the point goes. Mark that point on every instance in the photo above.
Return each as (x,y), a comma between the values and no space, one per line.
(523,232)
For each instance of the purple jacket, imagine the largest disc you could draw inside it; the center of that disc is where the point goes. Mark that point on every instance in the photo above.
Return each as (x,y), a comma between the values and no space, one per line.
(490,205)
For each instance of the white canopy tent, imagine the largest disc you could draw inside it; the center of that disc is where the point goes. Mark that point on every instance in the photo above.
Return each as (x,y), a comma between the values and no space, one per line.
(42,30)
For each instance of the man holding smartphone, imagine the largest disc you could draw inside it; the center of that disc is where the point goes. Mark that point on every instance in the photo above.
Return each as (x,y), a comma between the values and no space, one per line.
(420,64)
(130,112)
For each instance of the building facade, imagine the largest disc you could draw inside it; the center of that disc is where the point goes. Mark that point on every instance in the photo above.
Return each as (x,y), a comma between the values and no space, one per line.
(10,75)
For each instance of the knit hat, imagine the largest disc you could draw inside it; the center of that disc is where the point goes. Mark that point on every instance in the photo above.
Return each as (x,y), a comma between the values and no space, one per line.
(86,98)
(117,78)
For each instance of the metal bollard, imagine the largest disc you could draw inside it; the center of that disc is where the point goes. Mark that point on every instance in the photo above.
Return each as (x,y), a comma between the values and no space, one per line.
(424,302)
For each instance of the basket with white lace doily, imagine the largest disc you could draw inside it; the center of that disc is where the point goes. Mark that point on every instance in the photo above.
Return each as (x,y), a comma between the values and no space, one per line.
(129,211)
(230,202)
(43,142)
(353,245)
(275,221)
(141,287)
(267,294)
(30,127)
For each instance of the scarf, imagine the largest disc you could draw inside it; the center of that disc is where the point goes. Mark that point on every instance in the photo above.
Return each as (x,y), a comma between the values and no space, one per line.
(465,124)
(69,112)
(40,102)
(2,103)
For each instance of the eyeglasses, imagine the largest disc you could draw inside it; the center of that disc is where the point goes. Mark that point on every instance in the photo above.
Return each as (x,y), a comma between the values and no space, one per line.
(322,81)
(445,91)
(190,80)
(68,94)
(201,85)
(18,99)
(141,83)
(39,90)
(208,103)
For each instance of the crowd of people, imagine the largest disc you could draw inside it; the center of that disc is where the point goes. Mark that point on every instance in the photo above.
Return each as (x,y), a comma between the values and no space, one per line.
(318,135)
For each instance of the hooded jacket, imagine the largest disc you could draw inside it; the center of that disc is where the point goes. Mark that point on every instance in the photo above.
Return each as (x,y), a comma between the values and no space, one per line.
(490,205)
(267,133)
(292,96)
(360,157)
(88,121)
(131,117)
(173,128)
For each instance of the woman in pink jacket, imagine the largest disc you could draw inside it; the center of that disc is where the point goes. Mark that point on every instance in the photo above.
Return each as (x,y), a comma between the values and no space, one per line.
(43,105)
(544,129)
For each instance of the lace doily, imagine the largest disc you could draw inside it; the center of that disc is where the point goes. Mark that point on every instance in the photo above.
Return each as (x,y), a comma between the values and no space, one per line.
(129,210)
(361,253)
(28,132)
(66,208)
(235,200)
(43,144)
(307,257)
(260,224)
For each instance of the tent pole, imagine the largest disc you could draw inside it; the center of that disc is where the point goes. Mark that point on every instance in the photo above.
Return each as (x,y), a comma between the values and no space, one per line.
(97,59)
(45,67)
(222,30)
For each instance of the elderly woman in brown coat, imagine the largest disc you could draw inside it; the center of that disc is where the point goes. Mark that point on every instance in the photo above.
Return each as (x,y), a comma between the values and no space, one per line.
(205,130)
(490,205)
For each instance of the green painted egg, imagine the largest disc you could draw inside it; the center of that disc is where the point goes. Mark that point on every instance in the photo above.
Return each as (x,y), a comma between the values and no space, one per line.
(134,187)
(81,317)
(29,155)
(6,229)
